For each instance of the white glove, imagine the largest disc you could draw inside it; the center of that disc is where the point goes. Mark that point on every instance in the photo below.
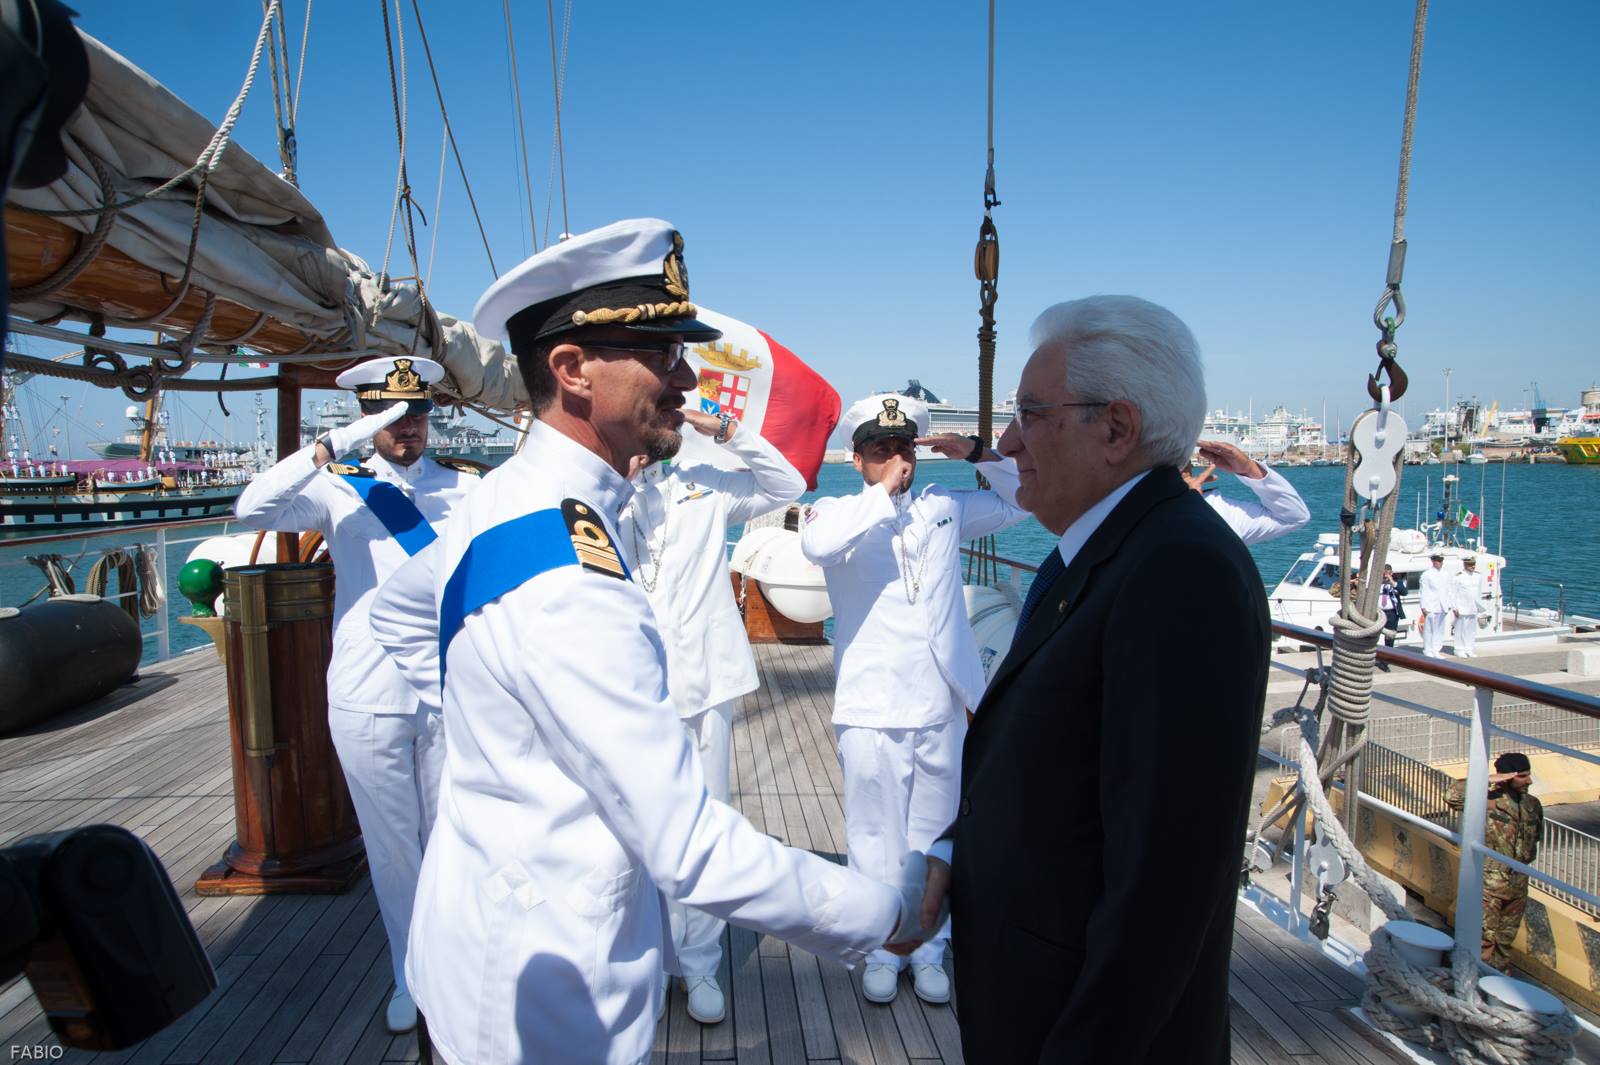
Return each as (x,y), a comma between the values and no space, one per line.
(346,438)
(913,882)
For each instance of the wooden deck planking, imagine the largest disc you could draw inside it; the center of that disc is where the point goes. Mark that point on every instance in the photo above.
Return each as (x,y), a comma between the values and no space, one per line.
(304,979)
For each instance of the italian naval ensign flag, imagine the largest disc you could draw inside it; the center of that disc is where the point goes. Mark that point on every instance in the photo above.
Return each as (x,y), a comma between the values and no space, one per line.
(765,386)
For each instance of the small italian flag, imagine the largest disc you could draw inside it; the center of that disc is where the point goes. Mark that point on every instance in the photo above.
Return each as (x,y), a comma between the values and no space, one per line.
(1467,518)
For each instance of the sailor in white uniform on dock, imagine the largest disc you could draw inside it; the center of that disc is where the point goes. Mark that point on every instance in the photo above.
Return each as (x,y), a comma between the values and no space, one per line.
(373,517)
(906,659)
(1278,509)
(676,531)
(1436,599)
(572,798)
(1467,593)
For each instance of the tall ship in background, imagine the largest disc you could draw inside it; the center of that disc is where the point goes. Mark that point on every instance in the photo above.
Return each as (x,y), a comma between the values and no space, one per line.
(46,493)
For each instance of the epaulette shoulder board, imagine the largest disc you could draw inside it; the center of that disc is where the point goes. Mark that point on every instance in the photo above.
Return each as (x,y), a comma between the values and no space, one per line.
(344,469)
(590,541)
(467,466)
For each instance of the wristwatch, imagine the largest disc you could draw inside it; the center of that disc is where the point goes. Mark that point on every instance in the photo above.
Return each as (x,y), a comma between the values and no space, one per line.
(977,449)
(723,421)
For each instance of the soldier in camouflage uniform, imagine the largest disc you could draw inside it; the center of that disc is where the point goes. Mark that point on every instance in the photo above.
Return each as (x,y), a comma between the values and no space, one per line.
(1514,827)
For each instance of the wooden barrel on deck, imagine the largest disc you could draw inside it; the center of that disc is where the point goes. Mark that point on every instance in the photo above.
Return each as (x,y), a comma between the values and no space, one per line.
(296,827)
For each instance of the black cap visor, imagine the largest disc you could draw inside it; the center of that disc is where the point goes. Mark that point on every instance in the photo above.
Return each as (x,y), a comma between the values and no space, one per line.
(869,431)
(413,406)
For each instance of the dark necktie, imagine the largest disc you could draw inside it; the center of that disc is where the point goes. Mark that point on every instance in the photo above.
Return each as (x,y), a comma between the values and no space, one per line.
(1051,568)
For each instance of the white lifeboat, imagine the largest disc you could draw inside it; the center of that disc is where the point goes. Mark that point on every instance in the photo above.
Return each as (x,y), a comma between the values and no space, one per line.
(794,585)
(993,614)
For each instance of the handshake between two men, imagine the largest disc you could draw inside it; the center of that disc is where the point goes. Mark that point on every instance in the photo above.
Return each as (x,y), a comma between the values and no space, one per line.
(924,902)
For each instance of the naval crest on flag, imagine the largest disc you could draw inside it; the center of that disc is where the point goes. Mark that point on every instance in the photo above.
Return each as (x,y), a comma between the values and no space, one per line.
(723,391)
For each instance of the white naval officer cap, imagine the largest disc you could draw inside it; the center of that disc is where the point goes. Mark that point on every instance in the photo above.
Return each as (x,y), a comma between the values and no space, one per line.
(379,383)
(629,275)
(885,414)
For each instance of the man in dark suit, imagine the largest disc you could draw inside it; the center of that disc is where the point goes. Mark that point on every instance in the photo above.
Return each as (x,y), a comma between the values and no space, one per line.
(1105,783)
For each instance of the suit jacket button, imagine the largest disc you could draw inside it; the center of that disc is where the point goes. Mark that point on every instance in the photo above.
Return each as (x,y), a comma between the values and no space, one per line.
(966,807)
(1061,607)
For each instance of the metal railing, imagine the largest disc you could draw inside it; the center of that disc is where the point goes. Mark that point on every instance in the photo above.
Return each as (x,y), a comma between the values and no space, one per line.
(1518,594)
(1565,853)
(1434,740)
(160,630)
(1563,872)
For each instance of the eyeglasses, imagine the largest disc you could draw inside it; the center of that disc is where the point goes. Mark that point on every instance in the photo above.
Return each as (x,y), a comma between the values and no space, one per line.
(671,354)
(1024,413)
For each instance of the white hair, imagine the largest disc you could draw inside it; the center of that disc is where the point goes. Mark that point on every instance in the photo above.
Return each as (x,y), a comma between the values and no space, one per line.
(1123,347)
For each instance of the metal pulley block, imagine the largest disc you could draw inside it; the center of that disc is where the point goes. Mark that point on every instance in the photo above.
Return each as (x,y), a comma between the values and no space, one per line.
(1377,437)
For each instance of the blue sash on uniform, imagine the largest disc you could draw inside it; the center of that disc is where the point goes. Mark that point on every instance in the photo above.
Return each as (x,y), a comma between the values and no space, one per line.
(499,560)
(398,514)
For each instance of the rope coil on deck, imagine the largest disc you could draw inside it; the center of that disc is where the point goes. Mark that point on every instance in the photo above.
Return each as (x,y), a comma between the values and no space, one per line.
(1469,1031)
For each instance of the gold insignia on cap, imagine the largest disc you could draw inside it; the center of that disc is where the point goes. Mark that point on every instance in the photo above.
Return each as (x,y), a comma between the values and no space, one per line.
(590,542)
(400,383)
(891,417)
(676,275)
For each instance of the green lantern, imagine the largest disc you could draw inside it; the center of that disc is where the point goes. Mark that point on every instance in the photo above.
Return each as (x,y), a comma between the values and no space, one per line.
(200,582)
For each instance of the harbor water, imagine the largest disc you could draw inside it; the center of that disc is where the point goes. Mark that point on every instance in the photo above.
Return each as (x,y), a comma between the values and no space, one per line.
(1549,514)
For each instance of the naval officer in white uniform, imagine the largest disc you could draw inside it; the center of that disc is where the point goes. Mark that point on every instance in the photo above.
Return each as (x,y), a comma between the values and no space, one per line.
(1467,593)
(373,517)
(572,798)
(1278,509)
(676,530)
(1436,599)
(906,659)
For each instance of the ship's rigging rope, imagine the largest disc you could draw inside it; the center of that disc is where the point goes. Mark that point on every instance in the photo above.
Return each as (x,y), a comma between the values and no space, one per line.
(522,133)
(444,114)
(280,93)
(558,151)
(983,565)
(1470,1029)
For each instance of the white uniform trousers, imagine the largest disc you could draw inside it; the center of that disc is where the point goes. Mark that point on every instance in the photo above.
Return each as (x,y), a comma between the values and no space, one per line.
(901,787)
(1466,634)
(696,935)
(392,764)
(1434,627)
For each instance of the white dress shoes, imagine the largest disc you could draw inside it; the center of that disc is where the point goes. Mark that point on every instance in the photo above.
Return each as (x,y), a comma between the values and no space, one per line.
(880,982)
(401,1016)
(930,983)
(706,1002)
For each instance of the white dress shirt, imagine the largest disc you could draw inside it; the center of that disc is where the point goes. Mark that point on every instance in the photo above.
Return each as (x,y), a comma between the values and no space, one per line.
(296,496)
(1279,510)
(1078,533)
(674,533)
(570,793)
(903,663)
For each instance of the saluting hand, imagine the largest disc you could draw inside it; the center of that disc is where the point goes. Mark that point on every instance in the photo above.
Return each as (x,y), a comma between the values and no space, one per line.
(708,424)
(346,438)
(1225,456)
(950,445)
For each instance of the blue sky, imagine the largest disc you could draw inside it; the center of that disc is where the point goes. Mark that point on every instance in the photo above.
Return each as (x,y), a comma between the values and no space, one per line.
(1233,161)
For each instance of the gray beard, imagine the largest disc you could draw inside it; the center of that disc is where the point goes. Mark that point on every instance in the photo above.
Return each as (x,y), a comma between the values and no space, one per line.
(662,447)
